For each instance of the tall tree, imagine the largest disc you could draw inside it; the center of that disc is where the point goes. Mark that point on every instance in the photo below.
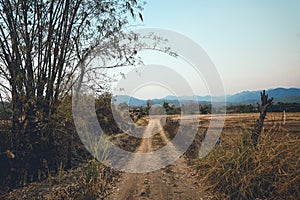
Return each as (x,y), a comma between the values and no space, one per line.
(44,43)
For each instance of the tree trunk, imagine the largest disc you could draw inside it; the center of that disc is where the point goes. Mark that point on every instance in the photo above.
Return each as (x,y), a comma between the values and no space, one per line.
(265,103)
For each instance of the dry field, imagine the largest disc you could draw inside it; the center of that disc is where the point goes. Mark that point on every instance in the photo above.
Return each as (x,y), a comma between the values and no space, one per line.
(233,170)
(238,171)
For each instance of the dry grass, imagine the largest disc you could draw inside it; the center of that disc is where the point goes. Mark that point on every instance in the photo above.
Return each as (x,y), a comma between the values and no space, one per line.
(238,171)
(88,182)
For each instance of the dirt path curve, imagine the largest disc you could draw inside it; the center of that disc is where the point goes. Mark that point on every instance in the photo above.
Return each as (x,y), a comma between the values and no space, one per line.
(174,182)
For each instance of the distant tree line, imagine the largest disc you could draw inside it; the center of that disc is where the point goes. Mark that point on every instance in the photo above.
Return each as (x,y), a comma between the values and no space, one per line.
(169,109)
(288,107)
(140,111)
(244,108)
(251,108)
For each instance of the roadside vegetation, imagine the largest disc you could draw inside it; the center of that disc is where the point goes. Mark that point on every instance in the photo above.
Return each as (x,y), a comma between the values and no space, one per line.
(238,171)
(66,152)
(254,162)
(74,173)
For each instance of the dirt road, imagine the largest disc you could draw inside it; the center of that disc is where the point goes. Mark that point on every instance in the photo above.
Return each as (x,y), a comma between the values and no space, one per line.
(176,181)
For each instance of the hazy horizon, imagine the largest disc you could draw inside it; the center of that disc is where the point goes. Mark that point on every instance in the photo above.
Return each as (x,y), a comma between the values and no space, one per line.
(163,96)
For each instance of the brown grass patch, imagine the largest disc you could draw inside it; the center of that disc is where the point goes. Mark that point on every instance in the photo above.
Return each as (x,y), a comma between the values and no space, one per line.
(238,171)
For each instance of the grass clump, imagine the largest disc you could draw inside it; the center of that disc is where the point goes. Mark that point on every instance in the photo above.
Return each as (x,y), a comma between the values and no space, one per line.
(238,171)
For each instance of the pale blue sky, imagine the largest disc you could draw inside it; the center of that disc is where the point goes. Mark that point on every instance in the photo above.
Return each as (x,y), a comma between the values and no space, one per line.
(254,44)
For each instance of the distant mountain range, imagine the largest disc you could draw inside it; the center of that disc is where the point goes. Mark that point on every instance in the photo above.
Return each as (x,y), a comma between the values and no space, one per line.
(279,95)
(285,95)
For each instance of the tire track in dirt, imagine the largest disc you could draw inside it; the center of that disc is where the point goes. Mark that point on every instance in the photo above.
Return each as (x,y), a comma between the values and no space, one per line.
(174,182)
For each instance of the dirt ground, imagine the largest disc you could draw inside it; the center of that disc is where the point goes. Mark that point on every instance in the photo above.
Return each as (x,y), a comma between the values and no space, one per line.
(174,182)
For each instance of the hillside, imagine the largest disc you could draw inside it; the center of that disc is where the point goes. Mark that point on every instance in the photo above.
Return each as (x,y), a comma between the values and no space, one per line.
(285,95)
